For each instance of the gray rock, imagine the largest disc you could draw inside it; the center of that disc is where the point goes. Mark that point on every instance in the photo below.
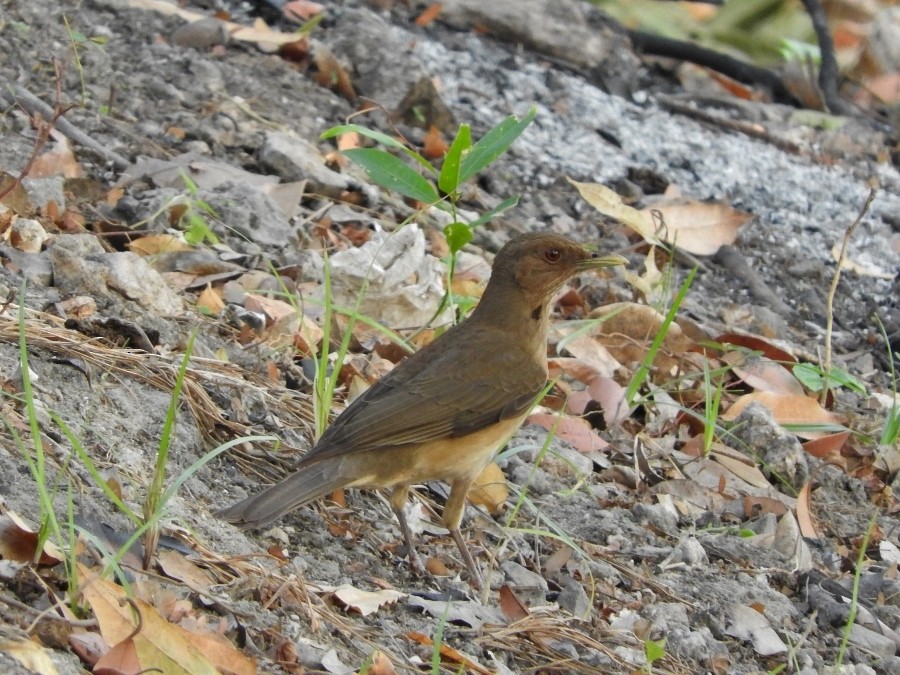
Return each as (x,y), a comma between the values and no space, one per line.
(529,586)
(130,275)
(360,33)
(248,218)
(35,268)
(295,159)
(564,30)
(781,454)
(575,600)
(42,191)
(873,642)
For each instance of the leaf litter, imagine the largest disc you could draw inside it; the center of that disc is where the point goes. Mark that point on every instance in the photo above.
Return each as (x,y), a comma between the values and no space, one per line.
(696,481)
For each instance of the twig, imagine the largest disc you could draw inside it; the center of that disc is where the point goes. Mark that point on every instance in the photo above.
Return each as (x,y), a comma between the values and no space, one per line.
(828,69)
(829,310)
(747,73)
(35,106)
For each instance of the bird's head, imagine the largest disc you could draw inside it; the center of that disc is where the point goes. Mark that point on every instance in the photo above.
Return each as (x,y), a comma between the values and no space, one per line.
(540,263)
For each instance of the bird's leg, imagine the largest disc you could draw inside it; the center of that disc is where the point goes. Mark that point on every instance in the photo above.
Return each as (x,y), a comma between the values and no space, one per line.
(453,513)
(398,501)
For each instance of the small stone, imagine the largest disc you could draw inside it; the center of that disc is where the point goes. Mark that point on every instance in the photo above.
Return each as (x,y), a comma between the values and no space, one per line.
(203,34)
(575,600)
(27,235)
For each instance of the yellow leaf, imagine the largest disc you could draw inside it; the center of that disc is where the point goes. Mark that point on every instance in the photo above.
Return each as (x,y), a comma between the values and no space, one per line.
(610,204)
(489,489)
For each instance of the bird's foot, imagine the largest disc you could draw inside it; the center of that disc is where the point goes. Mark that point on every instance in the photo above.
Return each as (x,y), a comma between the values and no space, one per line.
(415,563)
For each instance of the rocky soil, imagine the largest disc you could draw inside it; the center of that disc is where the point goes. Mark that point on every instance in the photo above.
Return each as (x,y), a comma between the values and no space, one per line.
(607,550)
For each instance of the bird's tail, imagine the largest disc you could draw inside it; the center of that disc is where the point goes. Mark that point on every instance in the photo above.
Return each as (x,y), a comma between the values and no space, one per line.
(296,490)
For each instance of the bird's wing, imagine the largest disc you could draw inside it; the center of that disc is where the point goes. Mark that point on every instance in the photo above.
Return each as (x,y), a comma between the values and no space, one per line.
(440,393)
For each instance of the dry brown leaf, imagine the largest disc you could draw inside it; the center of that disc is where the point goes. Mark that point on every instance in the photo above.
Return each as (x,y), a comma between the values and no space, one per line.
(449,653)
(19,542)
(862,269)
(366,602)
(380,664)
(804,515)
(575,431)
(434,145)
(697,227)
(121,659)
(302,10)
(176,566)
(429,14)
(489,489)
(763,374)
(828,447)
(154,244)
(591,352)
(210,301)
(332,74)
(58,161)
(513,608)
(260,34)
(757,344)
(630,329)
(786,409)
(158,644)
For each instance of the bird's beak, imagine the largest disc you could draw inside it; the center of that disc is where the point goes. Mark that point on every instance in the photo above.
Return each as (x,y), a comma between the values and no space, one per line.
(598,260)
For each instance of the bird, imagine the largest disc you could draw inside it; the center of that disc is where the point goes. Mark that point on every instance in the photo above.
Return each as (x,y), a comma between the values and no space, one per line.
(443,412)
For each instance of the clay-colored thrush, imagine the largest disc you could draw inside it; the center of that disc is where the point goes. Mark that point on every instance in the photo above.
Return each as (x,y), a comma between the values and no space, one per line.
(443,412)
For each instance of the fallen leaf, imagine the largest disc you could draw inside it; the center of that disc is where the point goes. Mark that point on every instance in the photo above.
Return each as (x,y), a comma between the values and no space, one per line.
(429,14)
(754,343)
(210,301)
(575,431)
(447,652)
(804,515)
(489,489)
(763,374)
(513,608)
(610,204)
(828,447)
(366,602)
(787,409)
(19,542)
(154,244)
(696,227)
(158,644)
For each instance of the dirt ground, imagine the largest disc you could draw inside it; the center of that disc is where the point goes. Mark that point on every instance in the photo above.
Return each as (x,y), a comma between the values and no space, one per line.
(605,559)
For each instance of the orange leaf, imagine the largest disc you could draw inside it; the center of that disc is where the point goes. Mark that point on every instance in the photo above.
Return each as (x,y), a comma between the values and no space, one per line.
(429,14)
(786,409)
(513,608)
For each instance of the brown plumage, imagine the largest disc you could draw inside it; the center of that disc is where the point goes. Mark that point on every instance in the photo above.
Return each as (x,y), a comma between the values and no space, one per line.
(444,411)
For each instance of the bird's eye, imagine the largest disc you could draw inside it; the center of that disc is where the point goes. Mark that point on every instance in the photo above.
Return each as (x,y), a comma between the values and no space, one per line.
(552,255)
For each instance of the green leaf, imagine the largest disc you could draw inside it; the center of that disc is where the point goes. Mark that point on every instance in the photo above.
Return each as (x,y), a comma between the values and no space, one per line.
(655,650)
(810,376)
(378,137)
(449,181)
(493,144)
(458,235)
(392,173)
(497,210)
